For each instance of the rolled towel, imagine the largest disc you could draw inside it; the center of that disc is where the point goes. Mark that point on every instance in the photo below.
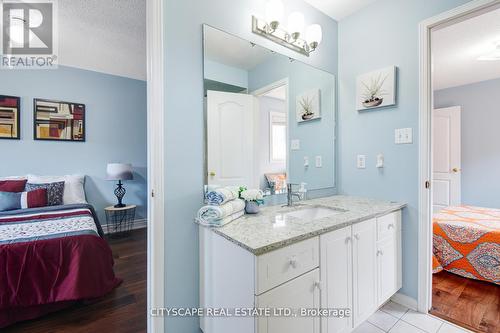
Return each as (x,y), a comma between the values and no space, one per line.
(212,213)
(221,195)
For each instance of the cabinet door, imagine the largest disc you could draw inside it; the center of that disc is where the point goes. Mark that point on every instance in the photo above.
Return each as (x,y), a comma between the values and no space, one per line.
(387,262)
(336,278)
(302,292)
(364,270)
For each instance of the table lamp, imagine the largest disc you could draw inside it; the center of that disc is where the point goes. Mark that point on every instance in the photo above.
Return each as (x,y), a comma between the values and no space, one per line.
(119,172)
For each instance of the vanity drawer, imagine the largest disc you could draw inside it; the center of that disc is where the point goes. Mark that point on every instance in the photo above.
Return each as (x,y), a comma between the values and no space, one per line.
(279,266)
(388,225)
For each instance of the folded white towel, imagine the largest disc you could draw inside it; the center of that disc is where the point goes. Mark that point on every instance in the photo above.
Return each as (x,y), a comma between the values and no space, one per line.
(221,222)
(211,213)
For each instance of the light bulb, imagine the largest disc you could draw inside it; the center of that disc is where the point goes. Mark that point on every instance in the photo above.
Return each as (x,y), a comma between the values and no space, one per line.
(295,24)
(314,35)
(274,13)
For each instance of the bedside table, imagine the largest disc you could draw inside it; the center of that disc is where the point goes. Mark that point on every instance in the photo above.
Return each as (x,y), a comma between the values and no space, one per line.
(120,220)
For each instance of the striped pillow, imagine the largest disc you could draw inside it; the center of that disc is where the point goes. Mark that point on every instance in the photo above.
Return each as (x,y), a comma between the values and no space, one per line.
(23,200)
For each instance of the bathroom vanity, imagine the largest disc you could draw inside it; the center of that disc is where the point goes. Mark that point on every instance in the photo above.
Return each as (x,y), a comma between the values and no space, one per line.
(337,252)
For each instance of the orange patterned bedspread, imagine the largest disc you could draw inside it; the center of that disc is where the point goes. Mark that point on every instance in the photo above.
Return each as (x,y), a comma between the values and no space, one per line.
(466,241)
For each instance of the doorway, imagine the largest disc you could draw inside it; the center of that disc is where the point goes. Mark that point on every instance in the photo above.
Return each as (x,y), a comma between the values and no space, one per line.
(459,225)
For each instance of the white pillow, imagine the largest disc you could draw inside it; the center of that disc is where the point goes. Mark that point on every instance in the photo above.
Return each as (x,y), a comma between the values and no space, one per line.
(74,192)
(13,178)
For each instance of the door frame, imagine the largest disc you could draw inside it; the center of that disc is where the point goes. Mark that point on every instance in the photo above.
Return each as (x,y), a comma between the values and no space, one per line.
(425,149)
(155,151)
(262,91)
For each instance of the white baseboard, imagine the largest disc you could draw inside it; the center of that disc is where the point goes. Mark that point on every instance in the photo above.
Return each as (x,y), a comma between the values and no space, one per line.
(407,301)
(138,224)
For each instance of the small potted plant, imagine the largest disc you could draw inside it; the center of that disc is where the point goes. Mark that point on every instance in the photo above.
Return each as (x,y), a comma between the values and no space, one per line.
(253,198)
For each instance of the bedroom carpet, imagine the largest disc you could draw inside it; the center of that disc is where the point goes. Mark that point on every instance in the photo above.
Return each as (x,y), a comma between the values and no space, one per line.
(123,310)
(469,303)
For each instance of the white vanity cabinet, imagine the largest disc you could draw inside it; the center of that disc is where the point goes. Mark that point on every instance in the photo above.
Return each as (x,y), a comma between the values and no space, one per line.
(360,269)
(357,267)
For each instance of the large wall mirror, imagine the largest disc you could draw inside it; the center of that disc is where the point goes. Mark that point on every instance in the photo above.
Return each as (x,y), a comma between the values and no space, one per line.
(270,119)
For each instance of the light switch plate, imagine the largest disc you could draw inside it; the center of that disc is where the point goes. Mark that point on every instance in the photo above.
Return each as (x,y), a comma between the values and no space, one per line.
(361,162)
(403,136)
(295,145)
(319,162)
(306,161)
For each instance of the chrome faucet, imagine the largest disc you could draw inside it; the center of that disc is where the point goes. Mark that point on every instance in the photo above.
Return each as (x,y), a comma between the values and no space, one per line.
(290,194)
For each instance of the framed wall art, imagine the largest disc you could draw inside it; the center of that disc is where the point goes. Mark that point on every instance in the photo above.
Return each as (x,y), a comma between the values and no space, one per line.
(58,121)
(10,116)
(376,89)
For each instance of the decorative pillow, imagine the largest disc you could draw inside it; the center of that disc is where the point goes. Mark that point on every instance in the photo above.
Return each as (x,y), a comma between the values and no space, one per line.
(74,192)
(54,192)
(12,185)
(22,200)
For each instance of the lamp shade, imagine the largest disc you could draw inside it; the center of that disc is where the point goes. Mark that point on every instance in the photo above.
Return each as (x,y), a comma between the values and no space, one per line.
(314,34)
(119,171)
(274,11)
(296,22)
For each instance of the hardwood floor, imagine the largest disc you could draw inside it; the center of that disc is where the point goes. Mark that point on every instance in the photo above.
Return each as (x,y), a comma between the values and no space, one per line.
(123,310)
(469,303)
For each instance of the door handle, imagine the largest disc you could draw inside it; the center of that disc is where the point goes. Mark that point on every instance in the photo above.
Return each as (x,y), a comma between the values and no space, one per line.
(347,240)
(211,173)
(456,170)
(357,236)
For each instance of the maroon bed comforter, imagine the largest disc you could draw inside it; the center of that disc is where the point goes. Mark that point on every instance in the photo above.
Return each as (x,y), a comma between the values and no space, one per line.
(50,258)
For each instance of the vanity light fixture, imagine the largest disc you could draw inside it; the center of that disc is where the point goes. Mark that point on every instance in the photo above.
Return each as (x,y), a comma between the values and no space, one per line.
(492,55)
(291,37)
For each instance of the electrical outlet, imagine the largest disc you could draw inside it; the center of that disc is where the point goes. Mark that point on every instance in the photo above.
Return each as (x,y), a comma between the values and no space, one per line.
(295,145)
(319,162)
(361,162)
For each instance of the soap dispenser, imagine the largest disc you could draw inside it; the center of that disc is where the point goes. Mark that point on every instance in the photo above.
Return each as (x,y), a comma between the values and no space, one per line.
(303,190)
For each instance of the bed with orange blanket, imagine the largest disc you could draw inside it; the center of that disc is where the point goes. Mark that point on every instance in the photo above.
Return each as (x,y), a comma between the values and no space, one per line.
(466,241)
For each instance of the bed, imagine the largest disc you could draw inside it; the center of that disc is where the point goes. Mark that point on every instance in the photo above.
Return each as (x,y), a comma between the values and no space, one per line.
(50,258)
(466,241)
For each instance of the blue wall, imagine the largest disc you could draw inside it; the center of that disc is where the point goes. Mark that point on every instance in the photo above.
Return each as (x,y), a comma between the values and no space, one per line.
(317,136)
(184,123)
(115,131)
(382,34)
(480,138)
(227,74)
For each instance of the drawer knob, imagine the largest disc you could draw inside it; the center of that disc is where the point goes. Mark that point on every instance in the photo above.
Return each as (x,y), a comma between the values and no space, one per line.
(293,262)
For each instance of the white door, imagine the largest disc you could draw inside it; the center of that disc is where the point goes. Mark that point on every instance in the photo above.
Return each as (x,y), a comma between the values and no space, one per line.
(230,138)
(300,293)
(364,270)
(336,278)
(446,147)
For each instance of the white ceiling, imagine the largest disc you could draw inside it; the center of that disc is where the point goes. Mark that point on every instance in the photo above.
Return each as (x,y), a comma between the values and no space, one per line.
(338,9)
(104,35)
(232,51)
(457,47)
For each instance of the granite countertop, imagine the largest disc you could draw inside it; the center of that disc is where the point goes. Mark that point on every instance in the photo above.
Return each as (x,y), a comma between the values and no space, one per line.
(269,230)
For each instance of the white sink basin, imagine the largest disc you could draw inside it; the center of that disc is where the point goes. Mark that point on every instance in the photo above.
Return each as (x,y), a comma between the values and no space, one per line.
(313,213)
